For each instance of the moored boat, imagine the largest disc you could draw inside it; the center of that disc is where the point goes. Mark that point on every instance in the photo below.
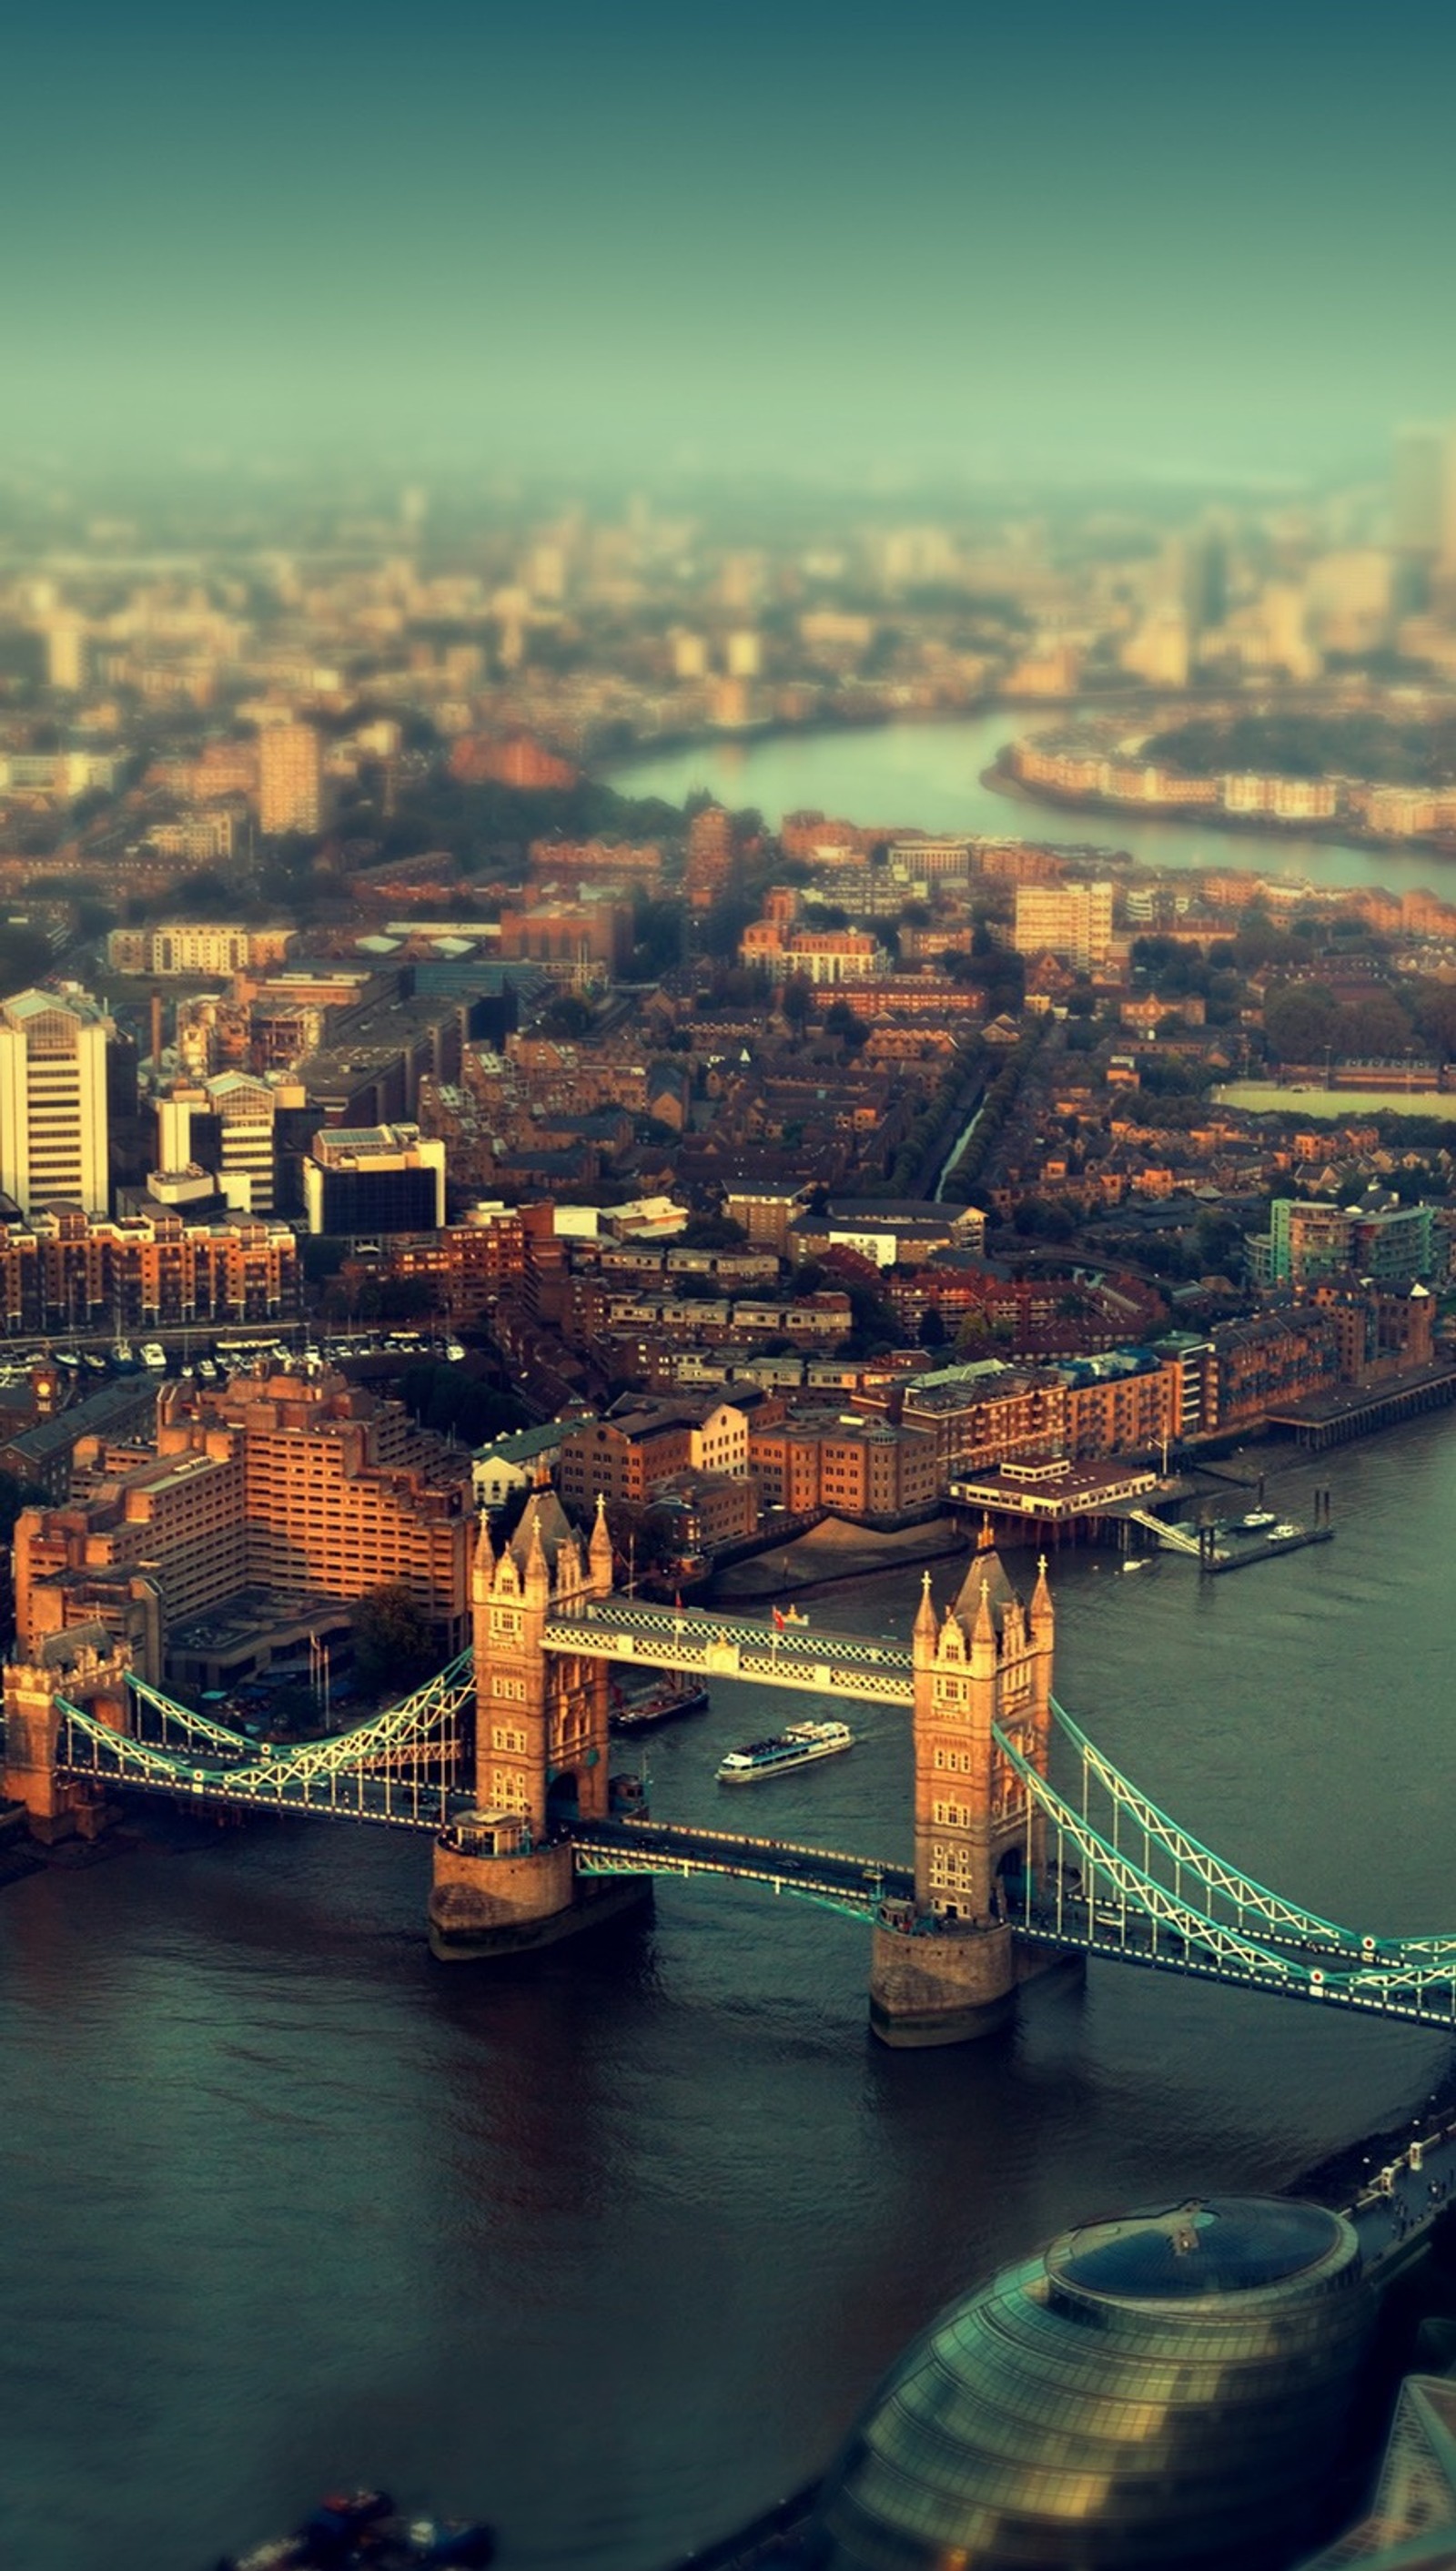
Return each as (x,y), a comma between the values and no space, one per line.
(662,1704)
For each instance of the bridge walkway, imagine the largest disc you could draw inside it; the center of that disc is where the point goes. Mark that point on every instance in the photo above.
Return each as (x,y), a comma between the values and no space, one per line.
(693,1638)
(1172,1538)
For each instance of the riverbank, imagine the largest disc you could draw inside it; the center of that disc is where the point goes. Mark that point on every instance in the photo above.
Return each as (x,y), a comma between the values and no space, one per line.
(834,1552)
(1343,834)
(929,774)
(826,726)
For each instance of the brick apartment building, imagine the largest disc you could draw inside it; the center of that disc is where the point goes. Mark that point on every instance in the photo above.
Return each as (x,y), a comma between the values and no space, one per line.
(274,1489)
(66,1269)
(631,1456)
(853,1467)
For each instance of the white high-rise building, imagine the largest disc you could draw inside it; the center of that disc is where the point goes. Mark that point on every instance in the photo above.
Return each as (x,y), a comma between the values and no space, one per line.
(1072,921)
(226,1126)
(290,779)
(66,654)
(53,1125)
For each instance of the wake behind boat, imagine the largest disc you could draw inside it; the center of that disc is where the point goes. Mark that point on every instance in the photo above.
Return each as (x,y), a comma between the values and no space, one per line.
(794,1747)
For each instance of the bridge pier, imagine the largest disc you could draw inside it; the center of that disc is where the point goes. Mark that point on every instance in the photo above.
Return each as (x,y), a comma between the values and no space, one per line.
(494,1895)
(58,1806)
(933,1982)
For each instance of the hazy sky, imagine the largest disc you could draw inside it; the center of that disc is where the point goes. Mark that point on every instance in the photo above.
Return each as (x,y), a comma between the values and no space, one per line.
(1104,235)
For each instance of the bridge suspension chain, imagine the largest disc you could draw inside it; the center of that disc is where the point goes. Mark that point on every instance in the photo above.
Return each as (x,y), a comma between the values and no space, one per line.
(196,1730)
(1145,1912)
(1140,1898)
(1251,1901)
(399,1766)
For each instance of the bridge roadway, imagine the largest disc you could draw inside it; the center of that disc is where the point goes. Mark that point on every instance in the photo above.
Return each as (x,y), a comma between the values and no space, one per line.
(1131,1936)
(693,1638)
(854,1884)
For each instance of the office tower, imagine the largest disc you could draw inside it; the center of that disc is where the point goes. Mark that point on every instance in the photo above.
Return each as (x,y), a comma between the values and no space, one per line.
(711,853)
(1420,496)
(374,1178)
(1204,580)
(224,1126)
(66,654)
(290,779)
(53,1099)
(744,653)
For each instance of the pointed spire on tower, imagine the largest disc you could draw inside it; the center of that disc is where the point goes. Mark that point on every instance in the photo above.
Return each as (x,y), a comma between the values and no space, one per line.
(925,1628)
(1041,1611)
(986,1540)
(483,1573)
(538,1569)
(984,1628)
(599,1552)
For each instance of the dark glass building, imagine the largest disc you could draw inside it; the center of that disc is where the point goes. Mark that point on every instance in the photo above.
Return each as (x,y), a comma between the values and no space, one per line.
(1157,2393)
(364,1180)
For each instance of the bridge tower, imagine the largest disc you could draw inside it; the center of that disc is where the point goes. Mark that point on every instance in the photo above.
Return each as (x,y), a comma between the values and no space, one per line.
(503,1876)
(86,1666)
(945,1967)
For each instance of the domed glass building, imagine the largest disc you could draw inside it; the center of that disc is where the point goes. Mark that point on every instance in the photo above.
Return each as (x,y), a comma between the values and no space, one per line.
(1163,2391)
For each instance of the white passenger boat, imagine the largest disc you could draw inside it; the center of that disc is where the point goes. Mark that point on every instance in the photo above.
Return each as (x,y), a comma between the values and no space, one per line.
(794,1747)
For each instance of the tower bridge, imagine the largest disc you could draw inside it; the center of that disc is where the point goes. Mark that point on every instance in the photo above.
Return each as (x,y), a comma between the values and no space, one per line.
(1032,1852)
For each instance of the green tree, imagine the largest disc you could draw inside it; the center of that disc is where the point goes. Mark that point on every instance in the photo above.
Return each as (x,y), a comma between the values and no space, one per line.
(1300,1020)
(841,1021)
(711,1232)
(797,1000)
(1435,1014)
(393,1644)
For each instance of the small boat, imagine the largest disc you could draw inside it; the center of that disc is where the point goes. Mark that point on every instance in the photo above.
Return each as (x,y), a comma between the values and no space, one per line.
(454,1352)
(1140,1562)
(638,1712)
(357,2528)
(796,1746)
(1283,1533)
(1257,1522)
(154,1356)
(123,1356)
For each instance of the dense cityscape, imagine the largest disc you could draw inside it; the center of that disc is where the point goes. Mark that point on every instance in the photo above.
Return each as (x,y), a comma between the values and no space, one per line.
(447,1183)
(727,1293)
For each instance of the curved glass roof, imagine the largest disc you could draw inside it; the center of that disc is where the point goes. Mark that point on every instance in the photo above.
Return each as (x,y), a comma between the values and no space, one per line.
(1164,2390)
(1207,2247)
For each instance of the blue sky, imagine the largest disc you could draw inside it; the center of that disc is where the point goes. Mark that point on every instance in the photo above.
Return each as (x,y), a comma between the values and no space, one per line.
(794,235)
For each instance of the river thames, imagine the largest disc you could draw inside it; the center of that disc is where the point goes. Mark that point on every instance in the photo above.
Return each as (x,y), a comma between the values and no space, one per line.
(927,777)
(610,2250)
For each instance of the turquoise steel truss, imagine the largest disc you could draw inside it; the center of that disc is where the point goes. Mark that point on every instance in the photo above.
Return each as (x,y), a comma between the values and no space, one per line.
(403,1767)
(1093,1897)
(1121,1879)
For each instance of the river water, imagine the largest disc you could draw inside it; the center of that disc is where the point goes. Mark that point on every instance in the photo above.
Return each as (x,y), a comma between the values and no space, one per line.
(611,2248)
(927,777)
